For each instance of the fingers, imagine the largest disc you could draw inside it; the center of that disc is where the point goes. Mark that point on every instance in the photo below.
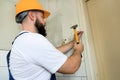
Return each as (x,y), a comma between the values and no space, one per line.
(79,33)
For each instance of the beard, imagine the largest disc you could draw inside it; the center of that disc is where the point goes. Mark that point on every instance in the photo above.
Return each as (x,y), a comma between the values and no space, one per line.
(40,28)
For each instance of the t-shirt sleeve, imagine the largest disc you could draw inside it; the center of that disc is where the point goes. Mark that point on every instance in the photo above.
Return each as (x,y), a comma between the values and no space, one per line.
(43,53)
(49,58)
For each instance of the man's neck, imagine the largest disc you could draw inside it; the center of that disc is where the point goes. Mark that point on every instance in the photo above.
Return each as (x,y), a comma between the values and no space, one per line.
(29,27)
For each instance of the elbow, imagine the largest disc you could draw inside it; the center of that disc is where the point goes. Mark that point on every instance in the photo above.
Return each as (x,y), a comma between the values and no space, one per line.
(69,69)
(74,69)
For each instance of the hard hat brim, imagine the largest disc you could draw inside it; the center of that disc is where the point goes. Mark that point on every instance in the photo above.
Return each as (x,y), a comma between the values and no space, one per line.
(46,13)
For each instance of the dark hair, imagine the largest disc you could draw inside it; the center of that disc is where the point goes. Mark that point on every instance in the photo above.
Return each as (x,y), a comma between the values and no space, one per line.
(21,16)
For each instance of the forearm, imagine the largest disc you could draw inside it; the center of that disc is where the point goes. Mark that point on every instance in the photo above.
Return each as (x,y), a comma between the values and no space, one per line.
(72,64)
(66,47)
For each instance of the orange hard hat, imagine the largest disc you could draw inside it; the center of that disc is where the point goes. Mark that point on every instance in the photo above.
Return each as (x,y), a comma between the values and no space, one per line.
(26,5)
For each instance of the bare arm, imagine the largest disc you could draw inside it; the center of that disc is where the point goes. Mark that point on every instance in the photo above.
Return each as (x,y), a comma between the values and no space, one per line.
(73,62)
(66,47)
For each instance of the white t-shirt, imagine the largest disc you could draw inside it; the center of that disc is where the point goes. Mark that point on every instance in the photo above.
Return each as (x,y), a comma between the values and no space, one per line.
(33,57)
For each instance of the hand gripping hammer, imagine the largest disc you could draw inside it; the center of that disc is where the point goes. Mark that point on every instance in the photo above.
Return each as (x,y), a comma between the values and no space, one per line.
(75,33)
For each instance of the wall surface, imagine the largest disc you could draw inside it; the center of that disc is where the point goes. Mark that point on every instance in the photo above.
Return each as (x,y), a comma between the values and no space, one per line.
(104,16)
(8,27)
(63,16)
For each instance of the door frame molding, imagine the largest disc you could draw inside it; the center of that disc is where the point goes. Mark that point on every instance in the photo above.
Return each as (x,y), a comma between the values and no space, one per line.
(89,51)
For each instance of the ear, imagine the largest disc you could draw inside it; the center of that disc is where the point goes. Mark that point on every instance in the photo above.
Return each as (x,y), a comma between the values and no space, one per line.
(31,15)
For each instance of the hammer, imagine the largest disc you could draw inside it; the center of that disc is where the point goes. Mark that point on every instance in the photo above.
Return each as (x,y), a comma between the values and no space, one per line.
(75,33)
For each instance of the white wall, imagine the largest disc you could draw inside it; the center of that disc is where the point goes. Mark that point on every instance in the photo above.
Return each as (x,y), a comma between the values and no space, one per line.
(8,27)
(64,15)
(3,66)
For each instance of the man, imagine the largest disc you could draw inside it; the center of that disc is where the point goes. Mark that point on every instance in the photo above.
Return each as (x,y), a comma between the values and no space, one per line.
(33,57)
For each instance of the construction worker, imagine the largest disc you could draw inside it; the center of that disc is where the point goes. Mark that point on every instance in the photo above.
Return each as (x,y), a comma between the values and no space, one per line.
(32,56)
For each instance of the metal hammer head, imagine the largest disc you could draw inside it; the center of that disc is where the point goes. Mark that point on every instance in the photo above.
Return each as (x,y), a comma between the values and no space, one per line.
(74,26)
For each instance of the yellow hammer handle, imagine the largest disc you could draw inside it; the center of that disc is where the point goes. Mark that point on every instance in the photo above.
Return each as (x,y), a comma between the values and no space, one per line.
(76,36)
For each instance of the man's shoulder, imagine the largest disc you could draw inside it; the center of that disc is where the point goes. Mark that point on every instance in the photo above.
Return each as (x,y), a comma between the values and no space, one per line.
(30,38)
